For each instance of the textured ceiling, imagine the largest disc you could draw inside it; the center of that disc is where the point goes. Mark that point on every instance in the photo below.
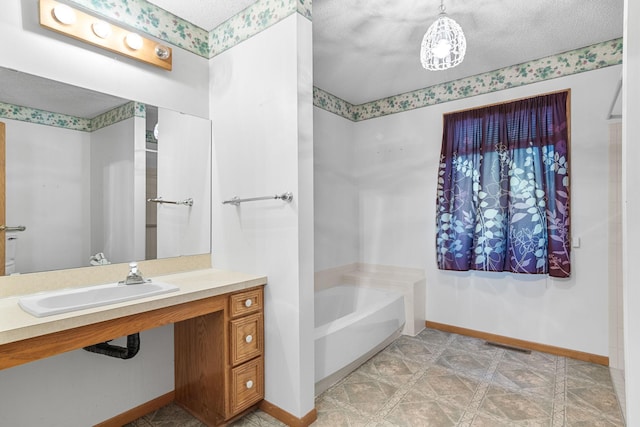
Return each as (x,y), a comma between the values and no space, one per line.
(26,90)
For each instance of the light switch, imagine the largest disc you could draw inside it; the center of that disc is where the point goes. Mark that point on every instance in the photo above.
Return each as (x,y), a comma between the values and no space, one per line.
(575,242)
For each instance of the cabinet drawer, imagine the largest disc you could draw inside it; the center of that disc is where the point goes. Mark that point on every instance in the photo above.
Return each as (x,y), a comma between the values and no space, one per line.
(246,302)
(247,385)
(246,338)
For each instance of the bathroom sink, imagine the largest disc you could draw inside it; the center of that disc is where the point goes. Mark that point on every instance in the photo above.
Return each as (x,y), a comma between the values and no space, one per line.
(62,301)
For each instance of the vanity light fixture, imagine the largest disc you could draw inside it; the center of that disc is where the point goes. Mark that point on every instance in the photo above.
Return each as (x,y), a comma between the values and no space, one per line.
(74,23)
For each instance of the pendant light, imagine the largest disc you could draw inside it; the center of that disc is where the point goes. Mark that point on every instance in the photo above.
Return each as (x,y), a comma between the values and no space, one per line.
(444,44)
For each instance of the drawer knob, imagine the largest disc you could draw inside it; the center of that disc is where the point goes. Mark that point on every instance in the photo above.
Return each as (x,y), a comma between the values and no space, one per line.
(248,339)
(249,384)
(248,303)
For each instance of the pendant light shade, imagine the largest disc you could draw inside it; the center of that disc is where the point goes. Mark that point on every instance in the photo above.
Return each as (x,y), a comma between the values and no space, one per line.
(443,45)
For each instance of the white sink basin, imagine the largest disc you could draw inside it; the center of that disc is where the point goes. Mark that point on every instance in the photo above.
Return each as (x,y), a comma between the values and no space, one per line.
(62,301)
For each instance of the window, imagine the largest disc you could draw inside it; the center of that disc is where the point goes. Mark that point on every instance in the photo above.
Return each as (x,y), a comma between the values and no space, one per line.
(503,198)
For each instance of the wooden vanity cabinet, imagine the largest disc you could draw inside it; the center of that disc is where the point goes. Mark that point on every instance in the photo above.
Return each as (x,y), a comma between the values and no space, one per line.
(219,364)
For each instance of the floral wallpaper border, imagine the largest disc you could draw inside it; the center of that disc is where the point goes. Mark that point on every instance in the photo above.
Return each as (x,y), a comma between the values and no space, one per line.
(159,23)
(42,117)
(249,22)
(576,61)
(333,104)
(48,118)
(123,112)
(305,8)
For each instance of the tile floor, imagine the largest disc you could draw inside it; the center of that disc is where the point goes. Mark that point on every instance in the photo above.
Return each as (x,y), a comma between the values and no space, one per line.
(441,379)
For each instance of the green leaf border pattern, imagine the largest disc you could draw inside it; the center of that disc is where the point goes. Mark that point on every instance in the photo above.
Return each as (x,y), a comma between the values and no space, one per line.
(48,118)
(588,58)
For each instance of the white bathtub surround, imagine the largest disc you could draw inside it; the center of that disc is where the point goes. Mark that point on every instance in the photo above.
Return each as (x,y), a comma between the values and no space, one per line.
(410,282)
(332,276)
(352,323)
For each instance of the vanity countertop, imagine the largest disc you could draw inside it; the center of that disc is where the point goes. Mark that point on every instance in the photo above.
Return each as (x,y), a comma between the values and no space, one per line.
(17,325)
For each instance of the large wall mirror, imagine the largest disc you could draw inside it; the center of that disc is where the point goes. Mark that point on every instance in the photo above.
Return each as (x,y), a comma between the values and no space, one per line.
(98,179)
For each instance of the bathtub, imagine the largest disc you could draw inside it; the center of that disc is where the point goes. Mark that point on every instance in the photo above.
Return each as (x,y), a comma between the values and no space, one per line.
(352,323)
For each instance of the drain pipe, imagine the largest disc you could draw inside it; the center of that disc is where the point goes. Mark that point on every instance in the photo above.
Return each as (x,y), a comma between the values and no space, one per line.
(132,348)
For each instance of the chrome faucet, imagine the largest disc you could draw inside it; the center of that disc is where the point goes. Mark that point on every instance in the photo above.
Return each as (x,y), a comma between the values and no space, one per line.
(135,276)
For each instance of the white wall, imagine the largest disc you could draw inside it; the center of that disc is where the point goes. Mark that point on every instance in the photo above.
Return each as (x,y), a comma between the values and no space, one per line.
(47,170)
(335,191)
(80,389)
(398,160)
(394,160)
(115,225)
(184,144)
(262,145)
(25,391)
(631,208)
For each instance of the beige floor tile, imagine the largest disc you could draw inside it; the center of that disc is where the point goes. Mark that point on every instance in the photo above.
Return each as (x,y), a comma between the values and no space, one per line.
(427,413)
(486,420)
(580,417)
(516,407)
(442,379)
(602,400)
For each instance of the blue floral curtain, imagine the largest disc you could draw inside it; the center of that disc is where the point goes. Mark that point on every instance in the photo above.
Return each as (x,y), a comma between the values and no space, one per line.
(503,188)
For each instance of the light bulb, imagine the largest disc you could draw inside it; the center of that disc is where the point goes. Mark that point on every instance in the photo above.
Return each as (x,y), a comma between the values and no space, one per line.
(101,29)
(162,52)
(442,49)
(134,41)
(64,14)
